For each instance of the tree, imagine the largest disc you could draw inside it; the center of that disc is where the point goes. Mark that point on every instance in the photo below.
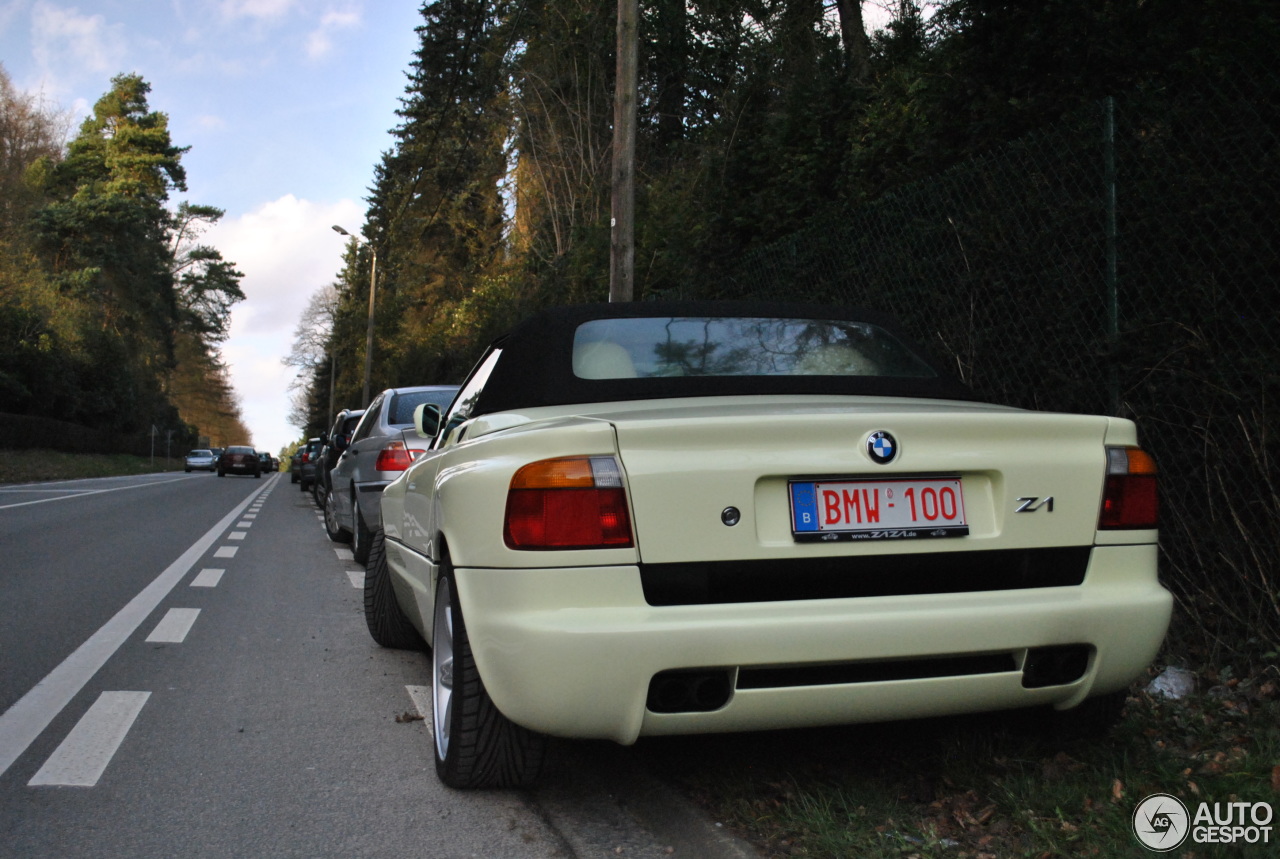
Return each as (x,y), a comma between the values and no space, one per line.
(207,284)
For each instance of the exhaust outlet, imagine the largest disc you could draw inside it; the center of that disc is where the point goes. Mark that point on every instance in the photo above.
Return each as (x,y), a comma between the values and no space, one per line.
(698,690)
(1055,666)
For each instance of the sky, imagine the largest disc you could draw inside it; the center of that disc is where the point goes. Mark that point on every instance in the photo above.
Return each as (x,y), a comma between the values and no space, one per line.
(287,107)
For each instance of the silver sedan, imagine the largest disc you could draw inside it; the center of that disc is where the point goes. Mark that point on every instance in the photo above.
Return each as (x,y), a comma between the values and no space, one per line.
(383,445)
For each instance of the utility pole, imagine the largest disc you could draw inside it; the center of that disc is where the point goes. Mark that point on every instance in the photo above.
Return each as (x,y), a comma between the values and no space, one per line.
(622,246)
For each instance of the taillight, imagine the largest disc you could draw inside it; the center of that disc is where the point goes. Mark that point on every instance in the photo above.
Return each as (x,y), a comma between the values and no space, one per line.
(306,457)
(1129,497)
(395,457)
(571,503)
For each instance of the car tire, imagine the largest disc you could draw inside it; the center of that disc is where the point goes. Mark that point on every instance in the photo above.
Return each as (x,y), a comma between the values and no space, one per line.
(475,745)
(332,527)
(386,621)
(293,477)
(221,473)
(187,470)
(362,536)
(257,474)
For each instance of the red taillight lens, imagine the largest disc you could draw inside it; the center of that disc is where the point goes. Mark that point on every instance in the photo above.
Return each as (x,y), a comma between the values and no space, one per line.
(395,457)
(571,503)
(306,457)
(1129,497)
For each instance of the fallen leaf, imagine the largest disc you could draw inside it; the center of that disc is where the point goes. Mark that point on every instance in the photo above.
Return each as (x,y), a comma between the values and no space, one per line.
(1117,790)
(406,717)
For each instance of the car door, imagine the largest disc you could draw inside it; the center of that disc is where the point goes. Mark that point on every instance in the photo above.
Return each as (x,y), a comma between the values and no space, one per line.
(344,473)
(421,512)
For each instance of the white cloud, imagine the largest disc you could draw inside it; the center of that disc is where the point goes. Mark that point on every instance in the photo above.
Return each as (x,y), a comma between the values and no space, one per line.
(321,40)
(262,10)
(287,250)
(65,42)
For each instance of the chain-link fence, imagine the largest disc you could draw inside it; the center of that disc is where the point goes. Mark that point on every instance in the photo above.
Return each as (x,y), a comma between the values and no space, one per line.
(1122,261)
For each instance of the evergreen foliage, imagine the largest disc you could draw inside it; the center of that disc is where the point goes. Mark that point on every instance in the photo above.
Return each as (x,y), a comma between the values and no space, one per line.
(110,311)
(754,119)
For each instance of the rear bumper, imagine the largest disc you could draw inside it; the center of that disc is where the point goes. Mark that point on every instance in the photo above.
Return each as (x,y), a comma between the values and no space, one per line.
(369,497)
(571,652)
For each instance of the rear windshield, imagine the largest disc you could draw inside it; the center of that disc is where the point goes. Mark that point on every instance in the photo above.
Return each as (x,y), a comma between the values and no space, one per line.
(640,348)
(400,412)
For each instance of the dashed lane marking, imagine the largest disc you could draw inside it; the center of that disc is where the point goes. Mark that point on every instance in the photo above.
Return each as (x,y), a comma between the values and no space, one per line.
(86,751)
(174,626)
(226,551)
(207,578)
(357,578)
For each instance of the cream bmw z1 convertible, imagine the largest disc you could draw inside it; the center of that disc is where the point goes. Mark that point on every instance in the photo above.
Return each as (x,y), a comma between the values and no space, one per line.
(642,519)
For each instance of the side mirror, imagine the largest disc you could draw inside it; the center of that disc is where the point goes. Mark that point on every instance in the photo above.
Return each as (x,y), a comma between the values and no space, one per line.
(341,442)
(426,420)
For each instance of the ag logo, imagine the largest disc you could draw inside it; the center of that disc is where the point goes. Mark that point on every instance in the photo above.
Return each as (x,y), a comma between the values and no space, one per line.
(1161,823)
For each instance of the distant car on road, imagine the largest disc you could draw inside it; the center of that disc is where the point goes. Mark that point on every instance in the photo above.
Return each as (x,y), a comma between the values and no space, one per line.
(201,460)
(383,445)
(239,459)
(268,464)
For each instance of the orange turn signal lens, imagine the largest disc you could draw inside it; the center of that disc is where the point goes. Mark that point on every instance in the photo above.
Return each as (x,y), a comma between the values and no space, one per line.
(568,473)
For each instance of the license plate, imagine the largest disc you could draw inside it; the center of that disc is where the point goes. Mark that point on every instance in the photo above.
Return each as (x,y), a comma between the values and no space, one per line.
(896,509)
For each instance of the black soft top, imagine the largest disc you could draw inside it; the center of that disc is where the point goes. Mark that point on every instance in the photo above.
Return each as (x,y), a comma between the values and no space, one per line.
(536,365)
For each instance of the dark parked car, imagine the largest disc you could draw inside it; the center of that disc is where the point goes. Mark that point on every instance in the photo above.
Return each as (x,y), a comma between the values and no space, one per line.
(384,444)
(268,464)
(335,441)
(239,459)
(307,457)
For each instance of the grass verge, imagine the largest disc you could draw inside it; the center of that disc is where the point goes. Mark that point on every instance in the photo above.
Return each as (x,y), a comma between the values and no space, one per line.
(27,466)
(988,787)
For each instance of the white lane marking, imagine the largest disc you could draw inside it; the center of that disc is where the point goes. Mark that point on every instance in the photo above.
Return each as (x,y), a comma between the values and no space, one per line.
(174,626)
(226,552)
(344,554)
(421,697)
(357,578)
(237,535)
(245,522)
(81,493)
(32,713)
(85,753)
(207,578)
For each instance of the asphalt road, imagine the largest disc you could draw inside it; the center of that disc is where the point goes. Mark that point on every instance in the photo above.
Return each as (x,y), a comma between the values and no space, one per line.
(185,671)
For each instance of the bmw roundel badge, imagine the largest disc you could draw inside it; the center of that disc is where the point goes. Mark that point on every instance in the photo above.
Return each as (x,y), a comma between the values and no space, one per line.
(882,447)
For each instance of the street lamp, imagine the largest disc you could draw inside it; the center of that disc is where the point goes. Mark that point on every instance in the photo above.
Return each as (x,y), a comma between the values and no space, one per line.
(368,338)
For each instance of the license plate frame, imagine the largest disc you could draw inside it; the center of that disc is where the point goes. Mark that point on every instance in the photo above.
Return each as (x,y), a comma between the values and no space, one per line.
(895,508)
